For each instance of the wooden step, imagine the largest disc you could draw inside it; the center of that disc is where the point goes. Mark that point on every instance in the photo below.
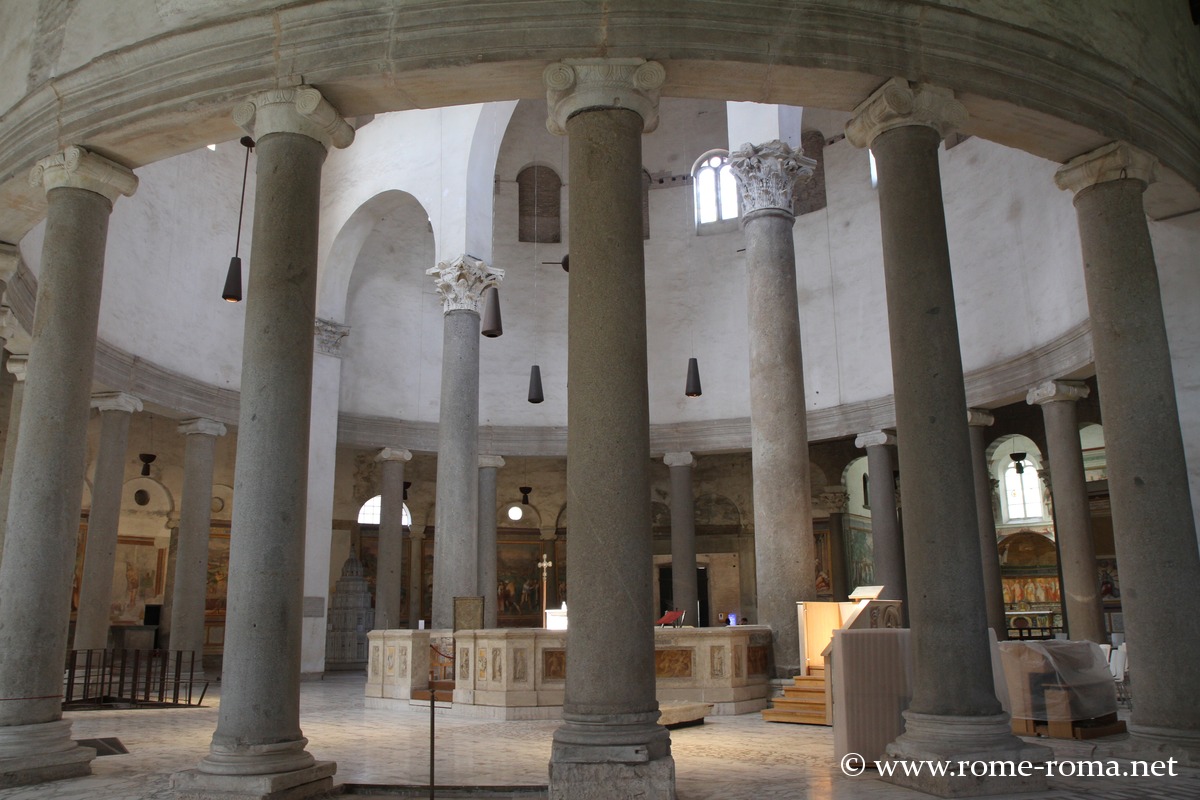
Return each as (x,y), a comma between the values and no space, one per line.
(793,717)
(802,703)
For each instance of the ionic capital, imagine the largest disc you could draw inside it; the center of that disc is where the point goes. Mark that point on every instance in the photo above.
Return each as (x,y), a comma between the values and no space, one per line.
(116,401)
(77,168)
(873,439)
(1111,162)
(682,459)
(579,84)
(979,417)
(201,426)
(461,282)
(301,110)
(491,462)
(899,103)
(10,258)
(1057,392)
(768,173)
(16,365)
(328,336)
(393,454)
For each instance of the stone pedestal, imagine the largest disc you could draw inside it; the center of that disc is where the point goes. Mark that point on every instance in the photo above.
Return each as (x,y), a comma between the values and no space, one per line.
(952,711)
(993,588)
(684,592)
(190,586)
(887,548)
(258,746)
(785,553)
(610,744)
(389,572)
(48,468)
(1072,515)
(461,283)
(1147,475)
(487,536)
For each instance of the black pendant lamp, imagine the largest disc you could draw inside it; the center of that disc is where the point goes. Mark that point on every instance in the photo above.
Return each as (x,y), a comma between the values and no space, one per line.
(233,278)
(524,490)
(535,384)
(1019,462)
(692,389)
(147,459)
(492,325)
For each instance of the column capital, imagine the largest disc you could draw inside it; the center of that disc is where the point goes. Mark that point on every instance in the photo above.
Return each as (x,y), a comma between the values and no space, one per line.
(494,462)
(12,332)
(10,258)
(77,168)
(301,110)
(393,454)
(462,281)
(873,439)
(834,499)
(899,103)
(1057,391)
(767,173)
(681,459)
(172,521)
(116,401)
(201,426)
(329,335)
(16,365)
(979,417)
(579,84)
(1111,162)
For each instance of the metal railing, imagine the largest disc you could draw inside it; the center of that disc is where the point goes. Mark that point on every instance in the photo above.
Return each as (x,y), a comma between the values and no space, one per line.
(132,678)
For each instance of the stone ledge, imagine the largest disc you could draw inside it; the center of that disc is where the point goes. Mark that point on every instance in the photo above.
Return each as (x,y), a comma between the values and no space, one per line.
(43,767)
(302,783)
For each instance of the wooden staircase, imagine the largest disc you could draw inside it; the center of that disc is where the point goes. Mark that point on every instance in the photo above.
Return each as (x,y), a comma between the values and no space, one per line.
(803,703)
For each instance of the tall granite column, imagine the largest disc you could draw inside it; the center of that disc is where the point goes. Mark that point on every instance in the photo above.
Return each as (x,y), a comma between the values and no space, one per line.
(1147,477)
(389,580)
(954,713)
(835,499)
(195,523)
(785,553)
(610,744)
(16,365)
(416,590)
(461,283)
(1072,516)
(100,552)
(487,536)
(887,548)
(47,472)
(684,592)
(993,588)
(258,746)
(162,637)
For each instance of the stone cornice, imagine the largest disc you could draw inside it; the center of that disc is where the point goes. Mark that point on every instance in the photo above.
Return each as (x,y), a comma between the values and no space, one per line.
(462,281)
(979,417)
(393,454)
(1057,392)
(579,84)
(301,110)
(767,175)
(201,426)
(897,104)
(77,168)
(682,459)
(116,401)
(873,439)
(1111,162)
(491,462)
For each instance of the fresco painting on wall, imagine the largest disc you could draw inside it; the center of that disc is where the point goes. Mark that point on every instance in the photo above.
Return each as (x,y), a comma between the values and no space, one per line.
(519,583)
(1110,582)
(218,573)
(860,566)
(135,579)
(1030,589)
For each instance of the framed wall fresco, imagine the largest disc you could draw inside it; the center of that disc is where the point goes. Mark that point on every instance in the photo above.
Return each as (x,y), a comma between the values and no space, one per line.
(824,582)
(136,579)
(217,584)
(860,564)
(519,581)
(1033,590)
(1110,583)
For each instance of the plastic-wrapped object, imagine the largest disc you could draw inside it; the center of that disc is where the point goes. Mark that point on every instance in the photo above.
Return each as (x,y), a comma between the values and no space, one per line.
(1057,680)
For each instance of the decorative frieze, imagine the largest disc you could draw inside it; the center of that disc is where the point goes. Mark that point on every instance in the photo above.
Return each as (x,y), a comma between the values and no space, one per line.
(1057,392)
(328,336)
(461,282)
(77,168)
(301,110)
(579,84)
(897,104)
(767,175)
(1108,163)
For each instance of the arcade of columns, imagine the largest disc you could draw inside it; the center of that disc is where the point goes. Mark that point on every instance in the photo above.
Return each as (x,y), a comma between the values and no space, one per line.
(610,743)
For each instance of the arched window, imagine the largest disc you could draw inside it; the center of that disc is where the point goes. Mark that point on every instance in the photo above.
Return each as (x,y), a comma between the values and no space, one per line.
(539,197)
(1022,491)
(369,513)
(716,188)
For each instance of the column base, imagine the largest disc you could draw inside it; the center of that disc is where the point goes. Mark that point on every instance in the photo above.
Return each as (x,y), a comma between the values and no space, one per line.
(612,757)
(311,781)
(1149,744)
(962,742)
(652,780)
(41,752)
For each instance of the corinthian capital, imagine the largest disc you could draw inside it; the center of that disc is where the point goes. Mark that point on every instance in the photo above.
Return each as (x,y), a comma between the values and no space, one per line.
(301,110)
(767,174)
(77,168)
(898,103)
(578,84)
(461,282)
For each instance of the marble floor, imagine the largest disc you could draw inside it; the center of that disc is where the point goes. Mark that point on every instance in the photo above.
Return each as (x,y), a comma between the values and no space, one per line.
(728,758)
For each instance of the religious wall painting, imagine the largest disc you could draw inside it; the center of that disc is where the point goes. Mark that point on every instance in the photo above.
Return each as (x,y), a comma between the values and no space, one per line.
(135,579)
(1030,590)
(860,564)
(519,582)
(557,590)
(218,573)
(824,582)
(1110,582)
